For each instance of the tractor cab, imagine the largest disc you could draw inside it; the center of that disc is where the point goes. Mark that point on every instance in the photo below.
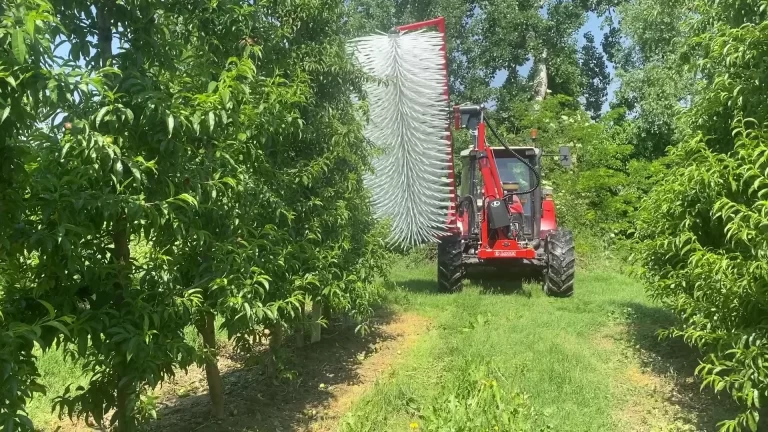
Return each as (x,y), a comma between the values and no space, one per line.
(515,177)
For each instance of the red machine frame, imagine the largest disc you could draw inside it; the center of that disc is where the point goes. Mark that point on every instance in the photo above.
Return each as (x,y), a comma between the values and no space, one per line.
(492,186)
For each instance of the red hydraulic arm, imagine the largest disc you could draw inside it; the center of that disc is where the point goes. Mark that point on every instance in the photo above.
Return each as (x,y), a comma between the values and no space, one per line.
(491,181)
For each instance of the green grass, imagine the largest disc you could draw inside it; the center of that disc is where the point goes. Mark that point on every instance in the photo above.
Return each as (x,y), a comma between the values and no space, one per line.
(57,372)
(549,349)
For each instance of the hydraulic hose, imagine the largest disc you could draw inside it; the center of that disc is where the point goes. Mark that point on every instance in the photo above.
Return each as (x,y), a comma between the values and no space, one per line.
(522,159)
(473,225)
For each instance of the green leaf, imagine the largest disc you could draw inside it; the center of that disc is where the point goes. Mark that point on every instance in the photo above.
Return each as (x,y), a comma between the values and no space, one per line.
(171,122)
(26,421)
(4,115)
(74,228)
(30,21)
(64,149)
(752,420)
(82,344)
(58,326)
(187,199)
(101,114)
(136,174)
(117,169)
(51,312)
(19,45)
(211,120)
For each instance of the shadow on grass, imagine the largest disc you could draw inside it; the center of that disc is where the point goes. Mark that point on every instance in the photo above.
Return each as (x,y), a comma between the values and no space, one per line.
(257,402)
(488,284)
(676,361)
(504,281)
(490,281)
(420,286)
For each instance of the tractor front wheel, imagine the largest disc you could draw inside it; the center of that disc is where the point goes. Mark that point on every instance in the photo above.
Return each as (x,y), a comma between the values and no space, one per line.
(449,269)
(561,264)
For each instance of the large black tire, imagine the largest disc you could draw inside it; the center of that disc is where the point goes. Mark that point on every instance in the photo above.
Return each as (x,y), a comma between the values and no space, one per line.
(450,272)
(561,264)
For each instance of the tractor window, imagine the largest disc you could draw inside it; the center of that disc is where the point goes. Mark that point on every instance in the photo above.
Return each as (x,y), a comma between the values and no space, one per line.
(513,170)
(465,171)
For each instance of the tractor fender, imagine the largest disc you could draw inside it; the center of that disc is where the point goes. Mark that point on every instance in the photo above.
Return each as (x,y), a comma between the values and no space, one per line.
(548,217)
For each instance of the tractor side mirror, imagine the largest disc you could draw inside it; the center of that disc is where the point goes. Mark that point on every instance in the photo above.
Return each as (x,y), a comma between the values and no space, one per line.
(467,116)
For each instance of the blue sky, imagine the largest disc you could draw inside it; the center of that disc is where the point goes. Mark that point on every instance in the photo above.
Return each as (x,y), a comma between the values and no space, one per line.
(592,25)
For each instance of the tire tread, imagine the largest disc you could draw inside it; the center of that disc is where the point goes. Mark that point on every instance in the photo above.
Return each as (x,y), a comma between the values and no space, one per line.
(561,264)
(450,272)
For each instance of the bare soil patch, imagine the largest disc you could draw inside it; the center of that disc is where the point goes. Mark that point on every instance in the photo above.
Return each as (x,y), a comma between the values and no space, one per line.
(321,383)
(656,385)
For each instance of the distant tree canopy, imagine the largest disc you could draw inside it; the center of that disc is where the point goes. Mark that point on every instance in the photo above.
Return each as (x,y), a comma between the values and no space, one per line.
(488,37)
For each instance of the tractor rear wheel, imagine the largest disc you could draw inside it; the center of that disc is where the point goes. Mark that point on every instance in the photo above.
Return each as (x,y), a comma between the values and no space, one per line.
(449,269)
(561,264)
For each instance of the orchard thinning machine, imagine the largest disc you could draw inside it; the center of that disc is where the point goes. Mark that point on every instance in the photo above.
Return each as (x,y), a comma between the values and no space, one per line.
(501,216)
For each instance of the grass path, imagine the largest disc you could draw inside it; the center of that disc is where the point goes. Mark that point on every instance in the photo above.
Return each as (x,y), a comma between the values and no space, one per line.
(588,363)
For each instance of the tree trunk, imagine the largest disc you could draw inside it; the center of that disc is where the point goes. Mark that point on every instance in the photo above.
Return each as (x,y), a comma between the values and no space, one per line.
(255,338)
(301,327)
(206,326)
(540,82)
(126,422)
(317,314)
(300,332)
(104,36)
(276,337)
(122,257)
(275,345)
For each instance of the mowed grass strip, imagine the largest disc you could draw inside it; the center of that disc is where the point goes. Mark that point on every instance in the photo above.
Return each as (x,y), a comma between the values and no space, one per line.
(552,350)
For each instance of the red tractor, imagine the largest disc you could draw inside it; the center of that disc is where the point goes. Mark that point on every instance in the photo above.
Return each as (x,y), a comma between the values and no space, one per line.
(504,218)
(501,216)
